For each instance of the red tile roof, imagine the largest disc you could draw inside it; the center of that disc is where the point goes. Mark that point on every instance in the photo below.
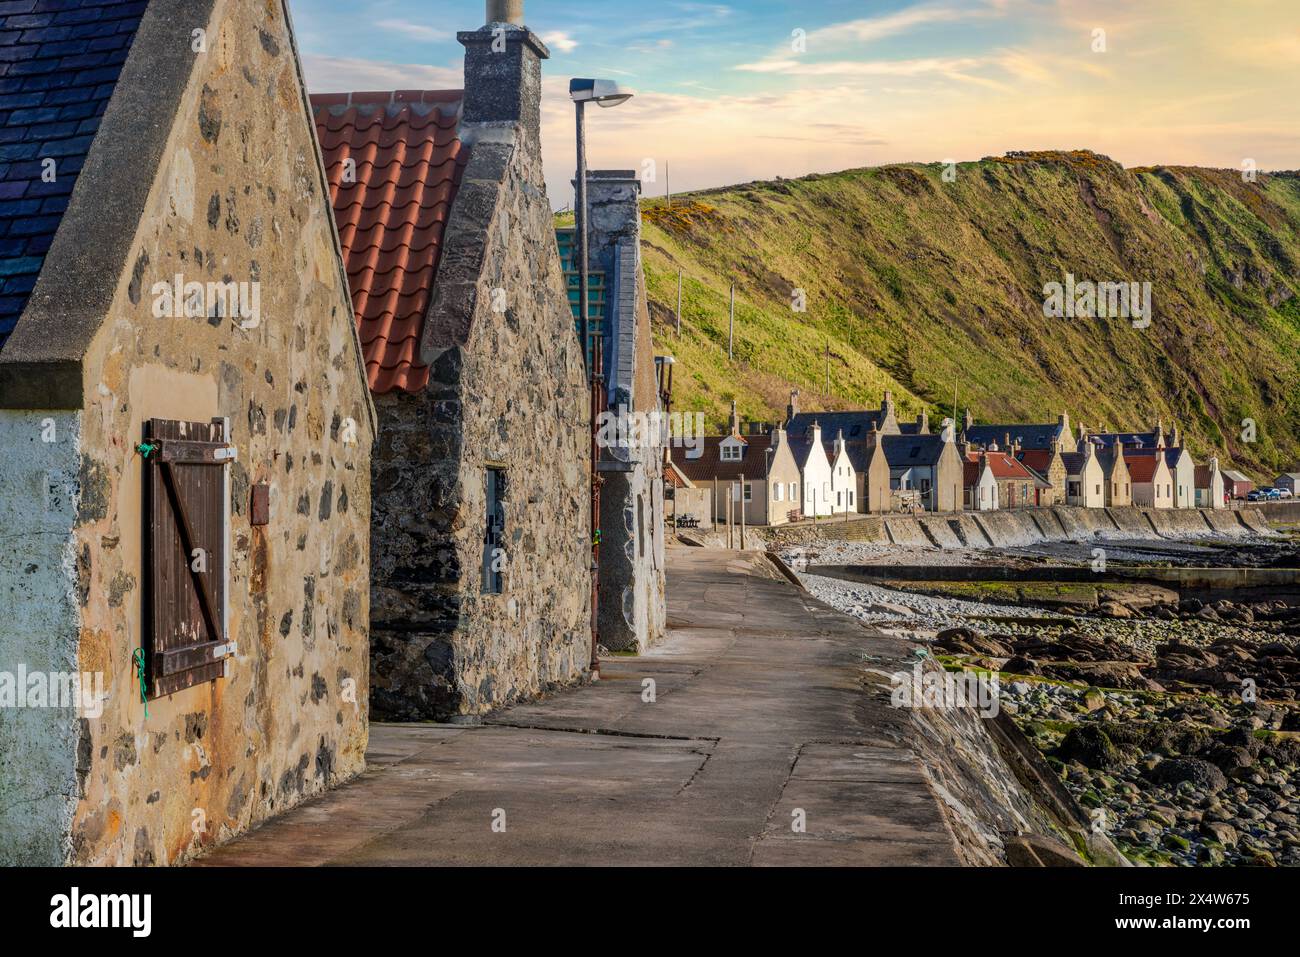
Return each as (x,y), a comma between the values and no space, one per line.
(709,464)
(408,163)
(1141,467)
(1004,466)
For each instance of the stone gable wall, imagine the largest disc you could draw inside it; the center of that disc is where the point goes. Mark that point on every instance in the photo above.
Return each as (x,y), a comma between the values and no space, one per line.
(239,197)
(507,389)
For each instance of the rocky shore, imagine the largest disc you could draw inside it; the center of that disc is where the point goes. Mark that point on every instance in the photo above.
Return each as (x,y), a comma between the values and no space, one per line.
(1174,723)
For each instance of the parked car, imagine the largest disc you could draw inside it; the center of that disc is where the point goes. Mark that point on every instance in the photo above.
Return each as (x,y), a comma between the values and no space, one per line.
(1256,495)
(1273,494)
(1284,493)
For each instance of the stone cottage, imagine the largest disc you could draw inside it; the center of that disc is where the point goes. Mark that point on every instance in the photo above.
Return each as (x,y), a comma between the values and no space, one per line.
(185,433)
(872,470)
(735,468)
(1085,479)
(481,537)
(1210,486)
(631,593)
(929,466)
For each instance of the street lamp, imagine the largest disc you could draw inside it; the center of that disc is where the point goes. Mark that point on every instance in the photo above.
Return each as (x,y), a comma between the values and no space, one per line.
(606,93)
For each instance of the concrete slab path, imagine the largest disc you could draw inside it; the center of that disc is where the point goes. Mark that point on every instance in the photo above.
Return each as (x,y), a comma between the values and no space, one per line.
(758,719)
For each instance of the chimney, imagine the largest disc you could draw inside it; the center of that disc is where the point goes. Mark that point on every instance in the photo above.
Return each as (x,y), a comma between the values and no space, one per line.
(923,423)
(887,405)
(735,419)
(967,421)
(506,11)
(503,73)
(948,430)
(1006,440)
(1175,440)
(792,409)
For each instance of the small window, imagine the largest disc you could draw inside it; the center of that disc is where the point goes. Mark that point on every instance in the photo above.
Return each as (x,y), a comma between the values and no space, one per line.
(494,530)
(731,453)
(777,492)
(749,491)
(794,491)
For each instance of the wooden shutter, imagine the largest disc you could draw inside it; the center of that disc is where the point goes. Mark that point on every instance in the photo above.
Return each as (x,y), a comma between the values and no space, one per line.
(187,502)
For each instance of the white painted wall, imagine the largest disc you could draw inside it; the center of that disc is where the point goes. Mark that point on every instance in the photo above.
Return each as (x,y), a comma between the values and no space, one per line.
(818,494)
(40,625)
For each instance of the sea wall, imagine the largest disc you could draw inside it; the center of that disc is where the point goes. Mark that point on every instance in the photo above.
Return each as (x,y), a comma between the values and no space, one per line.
(1022,527)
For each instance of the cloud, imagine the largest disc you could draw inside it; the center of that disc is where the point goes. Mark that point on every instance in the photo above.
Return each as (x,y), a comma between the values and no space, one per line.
(946,66)
(878,28)
(331,74)
(559,40)
(415,31)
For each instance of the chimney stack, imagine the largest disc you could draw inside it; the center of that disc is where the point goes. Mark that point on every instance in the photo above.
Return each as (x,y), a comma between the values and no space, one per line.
(967,421)
(735,419)
(503,73)
(792,409)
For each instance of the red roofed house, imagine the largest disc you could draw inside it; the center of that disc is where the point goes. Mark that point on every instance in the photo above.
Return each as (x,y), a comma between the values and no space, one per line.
(1153,482)
(480,531)
(1018,486)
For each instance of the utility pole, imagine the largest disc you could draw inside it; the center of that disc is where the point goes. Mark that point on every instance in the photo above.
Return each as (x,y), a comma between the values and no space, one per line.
(668,186)
(679,304)
(742,511)
(828,365)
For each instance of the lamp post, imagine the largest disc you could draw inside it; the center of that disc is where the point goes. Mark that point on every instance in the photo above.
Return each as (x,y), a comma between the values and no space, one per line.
(605,93)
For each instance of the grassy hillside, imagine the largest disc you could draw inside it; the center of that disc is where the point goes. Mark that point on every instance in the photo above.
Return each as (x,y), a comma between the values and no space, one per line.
(920,284)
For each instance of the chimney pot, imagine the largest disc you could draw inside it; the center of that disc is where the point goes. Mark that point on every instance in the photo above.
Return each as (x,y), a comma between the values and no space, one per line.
(505,11)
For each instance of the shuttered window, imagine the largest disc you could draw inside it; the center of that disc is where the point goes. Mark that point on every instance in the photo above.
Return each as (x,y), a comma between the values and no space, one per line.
(187,552)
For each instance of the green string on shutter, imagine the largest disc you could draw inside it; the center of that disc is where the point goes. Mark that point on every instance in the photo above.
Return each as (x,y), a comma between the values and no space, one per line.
(138,658)
(146,450)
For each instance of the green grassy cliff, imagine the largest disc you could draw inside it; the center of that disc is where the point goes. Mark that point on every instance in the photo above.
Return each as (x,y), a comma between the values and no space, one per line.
(921,285)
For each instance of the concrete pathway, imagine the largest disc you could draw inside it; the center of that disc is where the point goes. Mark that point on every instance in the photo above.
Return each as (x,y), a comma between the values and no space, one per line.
(759,717)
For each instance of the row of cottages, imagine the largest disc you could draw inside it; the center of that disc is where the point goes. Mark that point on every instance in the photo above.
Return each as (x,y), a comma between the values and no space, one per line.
(1100,469)
(825,464)
(298,422)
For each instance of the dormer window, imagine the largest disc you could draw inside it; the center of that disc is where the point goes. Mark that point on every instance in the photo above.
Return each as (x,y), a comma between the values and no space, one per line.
(731,453)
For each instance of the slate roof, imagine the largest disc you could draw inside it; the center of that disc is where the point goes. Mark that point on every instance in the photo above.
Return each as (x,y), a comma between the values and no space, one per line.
(854,425)
(1074,462)
(1139,440)
(409,161)
(1029,436)
(59,64)
(905,451)
(859,452)
(710,465)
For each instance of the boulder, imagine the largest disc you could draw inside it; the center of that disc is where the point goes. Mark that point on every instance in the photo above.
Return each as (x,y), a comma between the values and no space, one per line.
(1197,771)
(1090,746)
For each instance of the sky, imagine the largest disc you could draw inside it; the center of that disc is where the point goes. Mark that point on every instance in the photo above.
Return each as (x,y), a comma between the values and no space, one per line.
(733,92)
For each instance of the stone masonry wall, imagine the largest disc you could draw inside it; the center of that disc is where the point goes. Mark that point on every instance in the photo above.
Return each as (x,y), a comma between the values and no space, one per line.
(507,389)
(240,198)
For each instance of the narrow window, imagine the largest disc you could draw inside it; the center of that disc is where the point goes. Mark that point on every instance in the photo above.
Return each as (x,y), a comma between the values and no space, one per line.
(494,532)
(640,525)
